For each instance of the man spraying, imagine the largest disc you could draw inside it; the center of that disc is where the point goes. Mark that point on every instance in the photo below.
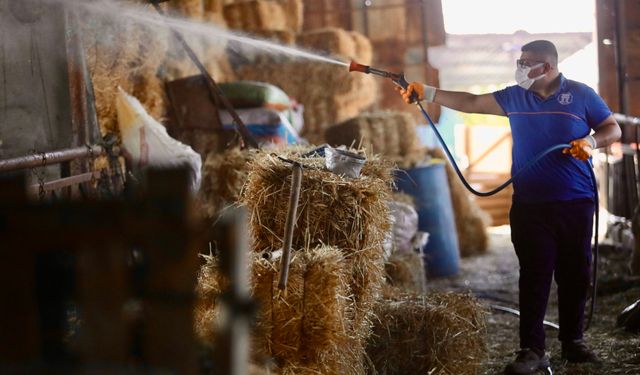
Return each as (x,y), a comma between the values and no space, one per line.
(553,202)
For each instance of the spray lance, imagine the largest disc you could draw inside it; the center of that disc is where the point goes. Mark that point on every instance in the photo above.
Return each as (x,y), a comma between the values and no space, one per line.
(399,80)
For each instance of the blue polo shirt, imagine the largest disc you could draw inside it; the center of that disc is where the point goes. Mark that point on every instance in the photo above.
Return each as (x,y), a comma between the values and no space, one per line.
(537,124)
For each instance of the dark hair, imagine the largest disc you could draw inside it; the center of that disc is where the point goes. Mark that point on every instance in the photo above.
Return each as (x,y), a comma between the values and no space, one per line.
(542,47)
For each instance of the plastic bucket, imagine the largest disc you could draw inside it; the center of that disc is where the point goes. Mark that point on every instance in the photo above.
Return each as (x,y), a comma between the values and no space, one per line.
(430,188)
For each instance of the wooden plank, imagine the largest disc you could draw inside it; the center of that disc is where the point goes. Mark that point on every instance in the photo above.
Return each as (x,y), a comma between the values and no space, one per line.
(608,84)
(172,258)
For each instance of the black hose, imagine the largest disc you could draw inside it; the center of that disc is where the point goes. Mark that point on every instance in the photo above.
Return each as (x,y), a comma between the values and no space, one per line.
(530,163)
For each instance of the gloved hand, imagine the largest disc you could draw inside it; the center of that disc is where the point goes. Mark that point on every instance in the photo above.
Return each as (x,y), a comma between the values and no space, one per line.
(581,149)
(423,92)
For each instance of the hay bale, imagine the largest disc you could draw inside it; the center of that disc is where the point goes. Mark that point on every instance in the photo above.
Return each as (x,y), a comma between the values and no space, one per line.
(471,220)
(149,89)
(255,15)
(294,13)
(223,176)
(307,327)
(438,334)
(208,288)
(363,48)
(279,36)
(389,133)
(329,93)
(331,41)
(350,214)
(194,9)
(405,271)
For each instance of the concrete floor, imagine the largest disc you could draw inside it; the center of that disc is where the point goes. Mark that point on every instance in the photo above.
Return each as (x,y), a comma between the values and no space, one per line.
(494,278)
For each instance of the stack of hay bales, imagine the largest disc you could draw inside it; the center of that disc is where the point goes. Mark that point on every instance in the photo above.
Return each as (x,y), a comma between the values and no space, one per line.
(272,19)
(329,93)
(388,133)
(471,220)
(442,333)
(348,214)
(347,44)
(123,53)
(209,50)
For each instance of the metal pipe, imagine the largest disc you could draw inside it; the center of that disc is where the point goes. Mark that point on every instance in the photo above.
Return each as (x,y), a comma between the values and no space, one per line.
(64,182)
(628,120)
(296,183)
(214,89)
(52,157)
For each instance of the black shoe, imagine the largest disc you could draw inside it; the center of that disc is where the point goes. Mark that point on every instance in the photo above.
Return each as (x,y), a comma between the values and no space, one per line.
(527,362)
(578,352)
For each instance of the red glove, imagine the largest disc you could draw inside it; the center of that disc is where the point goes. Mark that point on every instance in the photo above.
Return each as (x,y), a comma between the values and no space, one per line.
(581,149)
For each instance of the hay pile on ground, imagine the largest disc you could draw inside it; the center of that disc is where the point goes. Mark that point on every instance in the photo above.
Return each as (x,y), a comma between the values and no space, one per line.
(471,220)
(223,176)
(329,93)
(405,271)
(441,333)
(389,133)
(350,45)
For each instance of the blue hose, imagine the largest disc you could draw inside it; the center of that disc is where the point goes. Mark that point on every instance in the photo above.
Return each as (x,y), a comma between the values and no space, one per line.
(510,181)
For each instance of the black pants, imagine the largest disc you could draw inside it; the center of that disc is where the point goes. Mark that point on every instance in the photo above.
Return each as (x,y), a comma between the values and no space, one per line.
(552,239)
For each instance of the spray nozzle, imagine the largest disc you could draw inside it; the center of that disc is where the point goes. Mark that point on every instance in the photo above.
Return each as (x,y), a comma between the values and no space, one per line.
(397,78)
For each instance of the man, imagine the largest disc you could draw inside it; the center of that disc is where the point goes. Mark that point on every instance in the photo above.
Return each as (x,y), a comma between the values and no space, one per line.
(553,202)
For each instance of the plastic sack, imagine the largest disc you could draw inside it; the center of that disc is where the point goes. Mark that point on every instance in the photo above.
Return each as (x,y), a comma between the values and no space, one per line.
(146,142)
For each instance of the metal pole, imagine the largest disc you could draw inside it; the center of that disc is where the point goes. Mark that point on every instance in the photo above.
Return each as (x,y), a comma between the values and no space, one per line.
(51,157)
(296,183)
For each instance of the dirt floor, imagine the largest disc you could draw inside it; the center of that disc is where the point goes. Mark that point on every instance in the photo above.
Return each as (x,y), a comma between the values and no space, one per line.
(494,278)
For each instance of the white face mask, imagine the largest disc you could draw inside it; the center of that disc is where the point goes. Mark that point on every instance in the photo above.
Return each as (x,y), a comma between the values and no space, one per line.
(522,76)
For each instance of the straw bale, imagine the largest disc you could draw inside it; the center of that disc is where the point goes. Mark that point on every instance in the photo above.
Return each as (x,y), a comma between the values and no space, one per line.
(209,286)
(331,41)
(294,12)
(471,220)
(363,48)
(213,6)
(329,93)
(223,176)
(305,328)
(150,91)
(389,133)
(108,51)
(350,214)
(280,36)
(188,8)
(405,270)
(255,15)
(443,333)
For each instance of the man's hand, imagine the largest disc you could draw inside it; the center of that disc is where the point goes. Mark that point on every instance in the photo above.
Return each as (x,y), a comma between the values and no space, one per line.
(581,149)
(422,92)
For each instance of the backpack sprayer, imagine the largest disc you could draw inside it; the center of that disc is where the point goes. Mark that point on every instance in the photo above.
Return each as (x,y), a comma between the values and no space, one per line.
(400,81)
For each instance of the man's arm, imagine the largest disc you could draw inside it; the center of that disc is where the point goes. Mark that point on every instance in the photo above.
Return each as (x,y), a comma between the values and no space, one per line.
(460,101)
(607,132)
(469,103)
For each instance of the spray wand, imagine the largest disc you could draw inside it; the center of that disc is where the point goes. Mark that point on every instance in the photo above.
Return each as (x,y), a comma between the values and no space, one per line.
(397,78)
